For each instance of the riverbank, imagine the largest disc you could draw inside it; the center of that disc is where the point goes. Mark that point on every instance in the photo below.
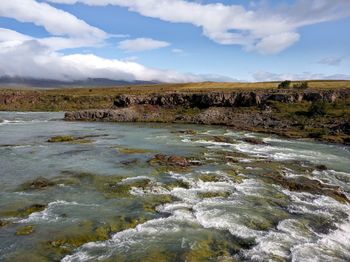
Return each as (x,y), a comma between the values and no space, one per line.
(323,115)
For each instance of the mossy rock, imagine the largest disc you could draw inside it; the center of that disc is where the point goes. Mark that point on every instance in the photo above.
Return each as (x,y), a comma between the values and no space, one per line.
(259,224)
(304,184)
(37,184)
(176,183)
(187,132)
(210,178)
(121,189)
(25,231)
(223,139)
(24,212)
(4,223)
(222,194)
(109,186)
(235,176)
(82,141)
(70,139)
(213,248)
(31,209)
(88,231)
(254,141)
(131,151)
(150,203)
(61,139)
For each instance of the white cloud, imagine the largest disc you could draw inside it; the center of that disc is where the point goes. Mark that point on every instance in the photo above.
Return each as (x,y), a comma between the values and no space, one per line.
(276,43)
(268,76)
(260,28)
(55,21)
(141,44)
(32,58)
(331,61)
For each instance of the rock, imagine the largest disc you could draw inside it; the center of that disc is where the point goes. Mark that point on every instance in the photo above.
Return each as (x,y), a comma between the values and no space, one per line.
(222,194)
(342,128)
(3,223)
(23,212)
(254,141)
(60,139)
(321,167)
(176,161)
(313,96)
(24,231)
(223,139)
(247,99)
(37,184)
(304,184)
(188,132)
(284,98)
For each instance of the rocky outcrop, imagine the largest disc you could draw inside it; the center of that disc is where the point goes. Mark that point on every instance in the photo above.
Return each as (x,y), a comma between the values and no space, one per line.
(232,99)
(257,111)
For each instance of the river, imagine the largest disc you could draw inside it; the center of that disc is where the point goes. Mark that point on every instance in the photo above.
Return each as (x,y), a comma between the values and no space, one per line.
(106,201)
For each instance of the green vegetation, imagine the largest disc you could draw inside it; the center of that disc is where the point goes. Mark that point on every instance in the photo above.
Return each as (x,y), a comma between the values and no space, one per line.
(284,85)
(318,108)
(301,86)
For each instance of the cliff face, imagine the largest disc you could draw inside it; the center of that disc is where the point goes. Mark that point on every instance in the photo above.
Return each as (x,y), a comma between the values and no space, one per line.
(233,99)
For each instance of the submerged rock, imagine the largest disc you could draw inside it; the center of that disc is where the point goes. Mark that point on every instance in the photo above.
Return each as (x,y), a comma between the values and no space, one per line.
(37,184)
(222,194)
(3,223)
(223,139)
(304,184)
(175,161)
(61,139)
(71,139)
(186,132)
(25,231)
(131,151)
(322,167)
(23,212)
(254,141)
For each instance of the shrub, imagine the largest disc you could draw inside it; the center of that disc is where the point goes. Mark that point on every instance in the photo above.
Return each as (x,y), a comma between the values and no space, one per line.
(301,85)
(317,108)
(284,85)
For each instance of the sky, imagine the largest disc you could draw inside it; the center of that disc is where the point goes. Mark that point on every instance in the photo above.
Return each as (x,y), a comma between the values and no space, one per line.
(175,40)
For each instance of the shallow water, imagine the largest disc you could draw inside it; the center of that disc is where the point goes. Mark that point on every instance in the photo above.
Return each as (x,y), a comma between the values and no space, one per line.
(221,210)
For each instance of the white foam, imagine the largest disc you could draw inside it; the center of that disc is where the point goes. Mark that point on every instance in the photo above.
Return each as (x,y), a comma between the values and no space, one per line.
(17,122)
(206,142)
(153,229)
(329,248)
(48,214)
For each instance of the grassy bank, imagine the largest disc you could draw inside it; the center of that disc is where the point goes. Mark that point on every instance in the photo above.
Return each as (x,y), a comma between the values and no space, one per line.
(70,99)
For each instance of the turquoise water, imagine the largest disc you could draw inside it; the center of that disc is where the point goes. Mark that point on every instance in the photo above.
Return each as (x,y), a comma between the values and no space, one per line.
(221,210)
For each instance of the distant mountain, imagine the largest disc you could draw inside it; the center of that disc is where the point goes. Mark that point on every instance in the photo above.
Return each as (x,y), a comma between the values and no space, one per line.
(49,83)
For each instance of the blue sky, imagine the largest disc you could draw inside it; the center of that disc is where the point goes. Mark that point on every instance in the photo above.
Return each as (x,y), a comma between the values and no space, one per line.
(176,40)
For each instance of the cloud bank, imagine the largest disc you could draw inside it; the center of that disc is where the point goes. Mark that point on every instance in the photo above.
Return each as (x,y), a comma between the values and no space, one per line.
(269,76)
